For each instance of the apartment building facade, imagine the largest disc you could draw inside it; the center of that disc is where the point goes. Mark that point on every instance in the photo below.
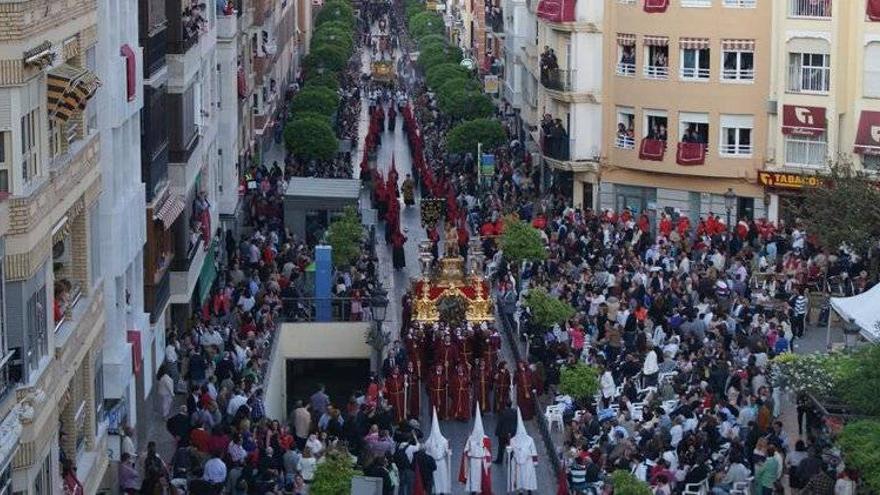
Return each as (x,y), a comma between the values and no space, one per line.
(54,291)
(685,107)
(824,95)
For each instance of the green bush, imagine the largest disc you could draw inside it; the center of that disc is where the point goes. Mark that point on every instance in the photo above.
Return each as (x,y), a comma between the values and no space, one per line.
(311,115)
(425,23)
(333,37)
(435,54)
(344,236)
(335,11)
(450,86)
(440,74)
(464,137)
(328,80)
(860,444)
(324,58)
(546,310)
(315,99)
(579,381)
(310,139)
(625,483)
(466,105)
(431,39)
(860,381)
(333,476)
(521,242)
(343,26)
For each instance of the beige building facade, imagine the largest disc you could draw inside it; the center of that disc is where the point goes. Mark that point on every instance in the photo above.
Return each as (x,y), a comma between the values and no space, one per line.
(685,107)
(50,180)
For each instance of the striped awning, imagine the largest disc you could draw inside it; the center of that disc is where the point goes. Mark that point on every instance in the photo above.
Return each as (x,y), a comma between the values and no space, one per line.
(656,40)
(693,43)
(738,45)
(168,212)
(68,90)
(626,39)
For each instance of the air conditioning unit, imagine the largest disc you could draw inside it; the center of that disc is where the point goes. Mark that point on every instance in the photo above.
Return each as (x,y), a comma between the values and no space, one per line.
(772,107)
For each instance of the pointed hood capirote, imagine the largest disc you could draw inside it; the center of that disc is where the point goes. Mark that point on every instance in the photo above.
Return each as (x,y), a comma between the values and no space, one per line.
(475,441)
(521,443)
(436,445)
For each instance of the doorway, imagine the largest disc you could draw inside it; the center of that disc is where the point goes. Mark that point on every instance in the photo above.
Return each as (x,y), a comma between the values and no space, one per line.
(341,377)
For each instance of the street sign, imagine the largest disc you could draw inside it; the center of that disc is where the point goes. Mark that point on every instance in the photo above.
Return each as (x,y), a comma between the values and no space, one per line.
(487,164)
(490,84)
(468,63)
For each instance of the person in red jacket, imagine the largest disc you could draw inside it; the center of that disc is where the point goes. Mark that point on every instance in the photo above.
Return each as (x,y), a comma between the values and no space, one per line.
(665,225)
(684,226)
(644,223)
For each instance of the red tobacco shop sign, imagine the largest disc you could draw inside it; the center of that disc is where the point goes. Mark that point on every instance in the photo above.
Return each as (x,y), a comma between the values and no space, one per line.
(803,121)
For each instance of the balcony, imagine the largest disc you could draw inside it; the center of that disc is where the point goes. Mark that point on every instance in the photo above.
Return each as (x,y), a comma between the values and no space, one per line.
(656,72)
(155,46)
(809,9)
(625,142)
(157,296)
(186,268)
(183,155)
(561,85)
(696,3)
(227,26)
(740,4)
(810,80)
(626,69)
(495,22)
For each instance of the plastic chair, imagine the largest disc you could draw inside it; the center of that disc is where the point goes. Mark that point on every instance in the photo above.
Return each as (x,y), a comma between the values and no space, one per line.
(701,488)
(553,414)
(742,487)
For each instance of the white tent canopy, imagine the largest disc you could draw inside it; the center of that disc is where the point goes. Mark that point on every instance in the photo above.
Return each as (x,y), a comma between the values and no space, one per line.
(863,310)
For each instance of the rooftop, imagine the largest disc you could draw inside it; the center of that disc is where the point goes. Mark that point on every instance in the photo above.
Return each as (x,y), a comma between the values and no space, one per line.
(309,187)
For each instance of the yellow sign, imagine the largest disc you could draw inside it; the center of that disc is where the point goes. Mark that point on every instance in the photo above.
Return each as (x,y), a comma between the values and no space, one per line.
(490,84)
(782,180)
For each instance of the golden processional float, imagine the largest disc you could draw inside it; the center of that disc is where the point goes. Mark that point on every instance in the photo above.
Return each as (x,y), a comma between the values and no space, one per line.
(447,292)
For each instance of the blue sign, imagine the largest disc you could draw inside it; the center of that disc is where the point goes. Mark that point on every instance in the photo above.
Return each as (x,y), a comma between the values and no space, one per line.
(323,282)
(487,164)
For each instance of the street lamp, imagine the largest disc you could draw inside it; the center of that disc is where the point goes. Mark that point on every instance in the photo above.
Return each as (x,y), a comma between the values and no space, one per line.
(729,204)
(377,338)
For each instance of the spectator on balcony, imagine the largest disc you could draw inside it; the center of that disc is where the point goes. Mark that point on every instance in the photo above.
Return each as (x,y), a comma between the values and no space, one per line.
(549,67)
(692,136)
(658,132)
(628,56)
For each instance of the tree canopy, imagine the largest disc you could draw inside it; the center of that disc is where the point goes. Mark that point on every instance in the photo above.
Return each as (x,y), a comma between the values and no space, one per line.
(333,475)
(325,58)
(344,237)
(520,242)
(310,138)
(456,84)
(843,209)
(315,99)
(464,137)
(466,105)
(333,37)
(435,54)
(439,74)
(579,381)
(328,80)
(425,23)
(547,310)
(335,11)
(431,39)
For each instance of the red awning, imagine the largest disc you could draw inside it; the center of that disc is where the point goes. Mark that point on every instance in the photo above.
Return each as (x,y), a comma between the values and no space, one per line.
(130,71)
(134,338)
(652,149)
(805,121)
(873,10)
(242,83)
(556,10)
(868,134)
(690,154)
(656,6)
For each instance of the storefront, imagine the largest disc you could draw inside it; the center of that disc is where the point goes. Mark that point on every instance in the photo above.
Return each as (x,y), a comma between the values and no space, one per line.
(784,192)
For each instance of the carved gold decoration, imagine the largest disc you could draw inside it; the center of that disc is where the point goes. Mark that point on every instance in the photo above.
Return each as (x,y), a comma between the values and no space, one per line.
(451,280)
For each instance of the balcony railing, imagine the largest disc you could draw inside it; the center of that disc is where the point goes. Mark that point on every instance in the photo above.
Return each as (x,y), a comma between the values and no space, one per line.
(557,148)
(181,46)
(495,22)
(809,79)
(695,73)
(805,153)
(656,72)
(737,74)
(68,307)
(740,4)
(626,70)
(736,149)
(183,263)
(559,79)
(696,3)
(182,156)
(817,9)
(157,296)
(625,142)
(297,309)
(154,51)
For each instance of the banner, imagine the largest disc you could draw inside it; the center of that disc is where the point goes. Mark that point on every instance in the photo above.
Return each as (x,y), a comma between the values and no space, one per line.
(487,164)
(490,84)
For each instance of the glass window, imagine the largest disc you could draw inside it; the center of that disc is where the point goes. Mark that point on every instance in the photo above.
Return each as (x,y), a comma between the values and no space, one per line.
(656,126)
(626,120)
(37,328)
(738,66)
(695,63)
(95,243)
(657,62)
(872,70)
(29,145)
(809,72)
(99,388)
(806,151)
(871,162)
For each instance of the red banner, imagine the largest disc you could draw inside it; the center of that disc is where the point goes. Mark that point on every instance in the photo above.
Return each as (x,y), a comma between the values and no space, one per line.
(868,134)
(134,338)
(652,149)
(556,10)
(130,71)
(804,121)
(873,10)
(690,154)
(656,6)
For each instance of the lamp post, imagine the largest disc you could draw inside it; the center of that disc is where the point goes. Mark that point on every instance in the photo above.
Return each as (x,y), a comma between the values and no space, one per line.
(377,338)
(729,204)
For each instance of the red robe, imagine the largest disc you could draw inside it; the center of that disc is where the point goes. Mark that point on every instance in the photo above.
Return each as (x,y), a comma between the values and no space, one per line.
(502,389)
(394,395)
(684,226)
(483,387)
(644,223)
(461,396)
(665,226)
(524,396)
(437,393)
(414,393)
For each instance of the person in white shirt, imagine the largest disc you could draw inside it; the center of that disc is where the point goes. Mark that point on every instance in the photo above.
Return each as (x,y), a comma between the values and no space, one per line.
(676,432)
(215,471)
(165,392)
(237,400)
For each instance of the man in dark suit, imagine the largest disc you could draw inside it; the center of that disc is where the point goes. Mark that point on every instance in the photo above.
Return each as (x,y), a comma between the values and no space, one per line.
(179,426)
(504,429)
(396,357)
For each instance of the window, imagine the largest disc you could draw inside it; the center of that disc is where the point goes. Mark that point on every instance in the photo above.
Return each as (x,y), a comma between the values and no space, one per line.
(872,70)
(740,4)
(43,480)
(626,121)
(809,72)
(656,125)
(5,160)
(693,127)
(37,331)
(626,54)
(99,388)
(91,110)
(30,151)
(5,356)
(736,135)
(696,3)
(810,8)
(739,60)
(94,244)
(695,59)
(805,151)
(656,57)
(871,162)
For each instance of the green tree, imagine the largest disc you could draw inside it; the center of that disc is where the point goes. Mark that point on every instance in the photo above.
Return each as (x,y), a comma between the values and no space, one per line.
(466,105)
(521,242)
(344,26)
(860,444)
(425,23)
(327,80)
(464,137)
(435,54)
(325,58)
(579,381)
(333,476)
(625,483)
(457,84)
(547,310)
(860,381)
(335,11)
(333,37)
(316,99)
(312,115)
(439,74)
(310,139)
(431,39)
(344,236)
(843,209)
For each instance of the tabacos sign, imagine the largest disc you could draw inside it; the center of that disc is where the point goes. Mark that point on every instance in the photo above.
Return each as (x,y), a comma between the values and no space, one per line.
(783,180)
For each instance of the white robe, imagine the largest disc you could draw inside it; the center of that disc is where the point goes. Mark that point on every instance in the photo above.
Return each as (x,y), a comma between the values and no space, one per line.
(476,460)
(521,474)
(443,473)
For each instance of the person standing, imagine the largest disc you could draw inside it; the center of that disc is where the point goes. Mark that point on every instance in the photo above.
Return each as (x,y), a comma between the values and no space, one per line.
(319,401)
(165,392)
(504,429)
(437,447)
(521,473)
(474,471)
(302,422)
(799,306)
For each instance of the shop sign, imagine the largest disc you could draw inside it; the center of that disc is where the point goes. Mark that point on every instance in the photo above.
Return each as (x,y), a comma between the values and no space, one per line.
(491,85)
(783,180)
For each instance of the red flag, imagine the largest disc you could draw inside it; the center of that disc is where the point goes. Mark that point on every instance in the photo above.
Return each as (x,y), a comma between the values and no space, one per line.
(418,488)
